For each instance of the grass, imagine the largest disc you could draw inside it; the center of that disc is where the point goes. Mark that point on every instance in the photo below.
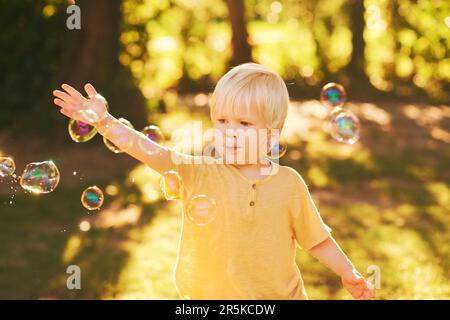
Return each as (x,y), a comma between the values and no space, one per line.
(387,199)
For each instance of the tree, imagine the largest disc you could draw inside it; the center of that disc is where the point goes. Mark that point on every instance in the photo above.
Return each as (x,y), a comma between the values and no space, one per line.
(93,57)
(242,51)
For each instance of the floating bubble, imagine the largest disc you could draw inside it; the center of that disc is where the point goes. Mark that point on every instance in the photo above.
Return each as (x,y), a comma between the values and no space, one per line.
(345,127)
(92,198)
(276,149)
(335,111)
(171,185)
(7,166)
(154,133)
(40,177)
(88,115)
(81,131)
(333,94)
(102,99)
(91,111)
(114,129)
(201,210)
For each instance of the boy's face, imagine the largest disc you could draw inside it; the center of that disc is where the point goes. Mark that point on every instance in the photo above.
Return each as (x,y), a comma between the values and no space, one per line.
(240,139)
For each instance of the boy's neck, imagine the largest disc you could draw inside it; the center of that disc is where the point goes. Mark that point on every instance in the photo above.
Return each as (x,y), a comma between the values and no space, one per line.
(253,170)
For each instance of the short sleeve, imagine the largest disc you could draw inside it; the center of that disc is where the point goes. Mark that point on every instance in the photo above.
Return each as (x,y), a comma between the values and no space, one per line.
(309,228)
(192,169)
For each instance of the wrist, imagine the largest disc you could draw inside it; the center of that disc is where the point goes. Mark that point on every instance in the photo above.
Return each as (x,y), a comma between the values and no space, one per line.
(350,269)
(103,124)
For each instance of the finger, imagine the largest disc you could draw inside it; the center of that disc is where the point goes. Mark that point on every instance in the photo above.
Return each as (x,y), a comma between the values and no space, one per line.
(73,92)
(60,103)
(370,285)
(367,295)
(66,113)
(63,104)
(357,281)
(90,90)
(63,96)
(359,295)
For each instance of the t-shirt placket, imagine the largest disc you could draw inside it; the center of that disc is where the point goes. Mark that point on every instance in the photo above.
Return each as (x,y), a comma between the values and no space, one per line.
(250,204)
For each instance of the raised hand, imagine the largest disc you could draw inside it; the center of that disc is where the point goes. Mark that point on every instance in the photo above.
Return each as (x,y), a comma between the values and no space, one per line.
(74,105)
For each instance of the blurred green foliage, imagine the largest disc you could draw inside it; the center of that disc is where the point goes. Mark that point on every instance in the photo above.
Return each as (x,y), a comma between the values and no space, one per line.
(185,45)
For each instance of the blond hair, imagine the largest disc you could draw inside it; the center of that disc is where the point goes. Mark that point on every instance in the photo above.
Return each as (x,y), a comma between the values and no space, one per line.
(251,87)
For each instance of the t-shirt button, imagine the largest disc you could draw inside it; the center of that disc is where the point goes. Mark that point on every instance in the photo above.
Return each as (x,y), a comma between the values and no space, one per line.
(254,186)
(252,203)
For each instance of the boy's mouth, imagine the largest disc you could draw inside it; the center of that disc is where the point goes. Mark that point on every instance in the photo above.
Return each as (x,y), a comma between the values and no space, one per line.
(232,148)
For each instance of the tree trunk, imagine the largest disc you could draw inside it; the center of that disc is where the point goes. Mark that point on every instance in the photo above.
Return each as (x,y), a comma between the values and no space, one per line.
(242,51)
(360,84)
(357,61)
(92,57)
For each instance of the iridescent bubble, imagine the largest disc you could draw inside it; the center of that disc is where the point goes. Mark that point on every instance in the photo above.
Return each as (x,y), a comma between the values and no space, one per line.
(276,149)
(111,146)
(335,111)
(201,210)
(81,131)
(92,198)
(40,177)
(333,94)
(102,99)
(7,166)
(87,114)
(92,111)
(345,127)
(154,133)
(171,185)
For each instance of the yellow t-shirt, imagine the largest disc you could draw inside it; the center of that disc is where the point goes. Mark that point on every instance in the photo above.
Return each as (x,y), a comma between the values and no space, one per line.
(248,250)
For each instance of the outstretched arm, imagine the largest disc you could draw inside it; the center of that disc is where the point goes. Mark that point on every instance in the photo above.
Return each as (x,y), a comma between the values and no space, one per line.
(331,255)
(94,111)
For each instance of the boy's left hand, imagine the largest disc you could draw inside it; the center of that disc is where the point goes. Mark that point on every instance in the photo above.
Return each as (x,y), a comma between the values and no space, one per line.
(358,287)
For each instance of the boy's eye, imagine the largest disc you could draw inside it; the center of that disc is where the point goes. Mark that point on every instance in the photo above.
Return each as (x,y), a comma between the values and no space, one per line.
(221,120)
(245,123)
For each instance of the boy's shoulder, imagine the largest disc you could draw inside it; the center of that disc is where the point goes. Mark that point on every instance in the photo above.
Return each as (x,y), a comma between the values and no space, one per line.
(293,178)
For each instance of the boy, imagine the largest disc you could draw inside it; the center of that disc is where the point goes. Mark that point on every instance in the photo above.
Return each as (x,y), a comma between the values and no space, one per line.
(261,209)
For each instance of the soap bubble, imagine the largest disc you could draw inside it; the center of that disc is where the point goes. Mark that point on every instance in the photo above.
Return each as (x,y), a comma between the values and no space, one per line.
(81,131)
(171,185)
(276,150)
(115,129)
(333,94)
(92,111)
(201,210)
(154,133)
(92,198)
(345,127)
(7,166)
(40,177)
(102,99)
(334,112)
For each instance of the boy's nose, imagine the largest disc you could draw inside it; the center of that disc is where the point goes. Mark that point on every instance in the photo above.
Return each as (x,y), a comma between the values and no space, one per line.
(231,132)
